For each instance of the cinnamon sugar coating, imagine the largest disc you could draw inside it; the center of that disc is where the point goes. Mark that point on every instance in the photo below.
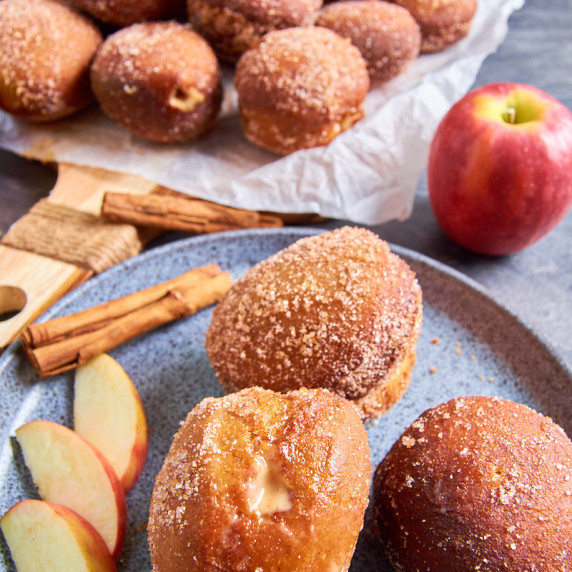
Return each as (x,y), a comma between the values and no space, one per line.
(336,310)
(300,88)
(46,49)
(257,480)
(477,483)
(158,80)
(386,34)
(234,26)
(443,22)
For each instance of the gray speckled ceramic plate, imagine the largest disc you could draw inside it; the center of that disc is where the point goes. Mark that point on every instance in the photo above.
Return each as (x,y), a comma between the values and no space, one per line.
(469,345)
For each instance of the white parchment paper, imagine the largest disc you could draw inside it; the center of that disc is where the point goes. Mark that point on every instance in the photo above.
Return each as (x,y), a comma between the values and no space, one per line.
(367,175)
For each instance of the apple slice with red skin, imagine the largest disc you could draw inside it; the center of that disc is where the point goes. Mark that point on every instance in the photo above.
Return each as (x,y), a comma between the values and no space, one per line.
(48,536)
(68,470)
(499,171)
(108,412)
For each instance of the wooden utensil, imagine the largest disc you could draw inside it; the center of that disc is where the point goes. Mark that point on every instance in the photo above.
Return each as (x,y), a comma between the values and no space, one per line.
(30,283)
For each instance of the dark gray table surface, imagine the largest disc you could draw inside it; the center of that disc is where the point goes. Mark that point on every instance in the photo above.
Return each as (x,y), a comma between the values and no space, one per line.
(535,284)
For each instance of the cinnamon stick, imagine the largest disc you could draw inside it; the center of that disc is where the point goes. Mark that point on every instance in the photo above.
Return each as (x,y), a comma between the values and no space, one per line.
(66,342)
(171,210)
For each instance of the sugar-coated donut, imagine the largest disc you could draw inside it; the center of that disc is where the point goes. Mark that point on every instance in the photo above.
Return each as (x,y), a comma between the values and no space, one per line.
(46,49)
(158,80)
(300,88)
(386,34)
(258,480)
(231,27)
(442,22)
(126,12)
(338,310)
(477,483)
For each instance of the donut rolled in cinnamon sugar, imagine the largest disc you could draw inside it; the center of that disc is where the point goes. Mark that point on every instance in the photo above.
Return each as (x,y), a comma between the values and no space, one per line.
(126,12)
(46,50)
(232,27)
(338,311)
(442,22)
(300,88)
(477,483)
(158,80)
(386,34)
(258,480)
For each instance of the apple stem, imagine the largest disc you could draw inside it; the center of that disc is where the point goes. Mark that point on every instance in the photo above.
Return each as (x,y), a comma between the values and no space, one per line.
(509,115)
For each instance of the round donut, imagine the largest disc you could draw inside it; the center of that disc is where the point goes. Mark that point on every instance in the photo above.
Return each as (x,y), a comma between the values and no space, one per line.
(337,310)
(387,35)
(300,88)
(126,12)
(262,481)
(232,27)
(158,80)
(442,23)
(477,483)
(45,53)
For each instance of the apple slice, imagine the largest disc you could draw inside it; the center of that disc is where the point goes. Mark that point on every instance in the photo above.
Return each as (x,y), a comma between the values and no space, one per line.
(70,471)
(108,412)
(48,536)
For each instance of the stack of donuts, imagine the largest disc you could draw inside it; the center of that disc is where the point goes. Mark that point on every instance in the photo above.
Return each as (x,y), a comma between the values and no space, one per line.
(302,69)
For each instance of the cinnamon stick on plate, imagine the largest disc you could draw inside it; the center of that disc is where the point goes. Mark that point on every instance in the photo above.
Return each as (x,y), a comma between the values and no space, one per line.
(171,210)
(66,342)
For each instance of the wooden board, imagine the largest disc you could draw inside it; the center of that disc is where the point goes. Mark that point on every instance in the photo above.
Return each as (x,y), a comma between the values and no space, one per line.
(40,281)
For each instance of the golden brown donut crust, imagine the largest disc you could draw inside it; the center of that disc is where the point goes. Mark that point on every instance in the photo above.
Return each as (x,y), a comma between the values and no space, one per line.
(337,310)
(477,483)
(442,22)
(45,53)
(159,80)
(386,34)
(126,12)
(300,88)
(314,447)
(232,27)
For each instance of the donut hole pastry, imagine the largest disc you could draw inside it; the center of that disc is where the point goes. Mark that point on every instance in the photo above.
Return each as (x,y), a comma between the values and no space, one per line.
(442,22)
(477,483)
(233,27)
(300,88)
(126,12)
(258,480)
(387,35)
(338,311)
(45,53)
(158,80)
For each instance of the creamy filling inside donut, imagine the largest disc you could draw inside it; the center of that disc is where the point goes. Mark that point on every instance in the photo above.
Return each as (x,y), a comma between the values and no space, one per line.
(267,493)
(186,99)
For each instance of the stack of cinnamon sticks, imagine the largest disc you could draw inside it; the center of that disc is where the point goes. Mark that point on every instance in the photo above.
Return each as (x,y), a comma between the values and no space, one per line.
(66,342)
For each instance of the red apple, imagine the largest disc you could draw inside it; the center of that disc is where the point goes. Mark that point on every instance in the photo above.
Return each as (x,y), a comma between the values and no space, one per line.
(47,536)
(499,171)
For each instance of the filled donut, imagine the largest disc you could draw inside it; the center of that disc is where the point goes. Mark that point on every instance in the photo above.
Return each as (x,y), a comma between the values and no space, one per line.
(258,480)
(158,80)
(443,23)
(126,12)
(233,27)
(46,50)
(300,88)
(477,483)
(386,34)
(337,310)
